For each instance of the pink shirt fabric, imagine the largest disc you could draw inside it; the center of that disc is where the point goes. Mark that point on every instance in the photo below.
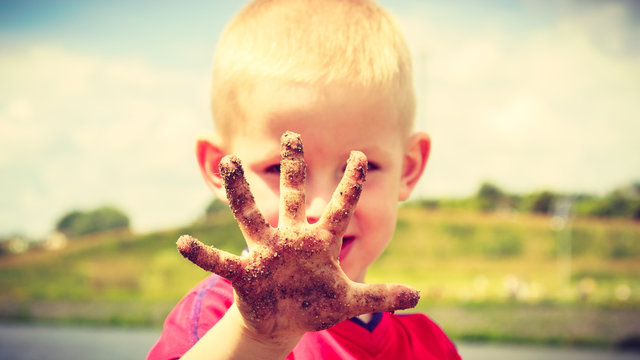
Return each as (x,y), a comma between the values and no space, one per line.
(387,336)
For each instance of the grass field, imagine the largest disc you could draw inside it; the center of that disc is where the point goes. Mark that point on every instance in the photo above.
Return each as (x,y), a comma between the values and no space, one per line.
(489,277)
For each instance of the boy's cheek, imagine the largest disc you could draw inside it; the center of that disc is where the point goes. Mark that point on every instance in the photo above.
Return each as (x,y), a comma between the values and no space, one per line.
(266,191)
(269,206)
(378,193)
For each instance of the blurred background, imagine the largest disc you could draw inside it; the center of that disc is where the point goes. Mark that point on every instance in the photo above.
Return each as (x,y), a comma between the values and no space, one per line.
(524,229)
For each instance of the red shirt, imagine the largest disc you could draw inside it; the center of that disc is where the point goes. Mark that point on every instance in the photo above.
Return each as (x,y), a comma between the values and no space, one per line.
(386,336)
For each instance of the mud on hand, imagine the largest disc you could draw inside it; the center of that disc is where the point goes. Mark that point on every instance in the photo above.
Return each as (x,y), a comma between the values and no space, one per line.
(291,281)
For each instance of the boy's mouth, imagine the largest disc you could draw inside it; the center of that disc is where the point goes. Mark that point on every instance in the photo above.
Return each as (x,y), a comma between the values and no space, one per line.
(347,243)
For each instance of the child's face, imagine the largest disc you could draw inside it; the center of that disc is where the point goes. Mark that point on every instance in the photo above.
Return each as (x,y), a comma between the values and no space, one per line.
(332,121)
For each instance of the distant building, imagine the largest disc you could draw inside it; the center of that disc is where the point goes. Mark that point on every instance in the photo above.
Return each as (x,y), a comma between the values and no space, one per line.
(55,241)
(17,244)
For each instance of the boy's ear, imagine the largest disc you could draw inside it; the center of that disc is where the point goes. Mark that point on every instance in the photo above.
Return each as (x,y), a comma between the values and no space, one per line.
(415,160)
(209,154)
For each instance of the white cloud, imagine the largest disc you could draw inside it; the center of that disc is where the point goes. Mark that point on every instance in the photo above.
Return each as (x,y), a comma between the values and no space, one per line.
(80,131)
(547,105)
(552,106)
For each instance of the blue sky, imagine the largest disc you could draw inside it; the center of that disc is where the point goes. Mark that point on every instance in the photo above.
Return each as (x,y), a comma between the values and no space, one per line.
(100,102)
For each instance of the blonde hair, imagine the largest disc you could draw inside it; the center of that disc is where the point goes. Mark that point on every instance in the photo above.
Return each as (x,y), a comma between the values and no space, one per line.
(351,42)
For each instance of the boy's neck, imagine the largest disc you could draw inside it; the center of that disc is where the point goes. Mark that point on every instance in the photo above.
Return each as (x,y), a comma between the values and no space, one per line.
(365,318)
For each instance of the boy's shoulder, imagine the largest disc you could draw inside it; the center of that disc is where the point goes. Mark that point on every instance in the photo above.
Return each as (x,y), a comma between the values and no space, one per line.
(428,334)
(198,310)
(393,336)
(205,304)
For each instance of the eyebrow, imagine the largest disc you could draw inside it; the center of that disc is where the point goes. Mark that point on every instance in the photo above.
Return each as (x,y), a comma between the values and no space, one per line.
(375,150)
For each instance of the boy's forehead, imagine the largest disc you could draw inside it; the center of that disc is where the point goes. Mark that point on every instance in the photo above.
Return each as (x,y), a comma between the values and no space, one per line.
(331,121)
(276,106)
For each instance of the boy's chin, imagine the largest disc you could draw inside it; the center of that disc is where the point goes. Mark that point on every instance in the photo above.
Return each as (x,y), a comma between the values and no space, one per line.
(353,271)
(355,275)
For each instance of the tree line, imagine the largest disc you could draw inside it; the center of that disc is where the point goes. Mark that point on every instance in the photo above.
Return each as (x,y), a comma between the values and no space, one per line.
(622,202)
(78,223)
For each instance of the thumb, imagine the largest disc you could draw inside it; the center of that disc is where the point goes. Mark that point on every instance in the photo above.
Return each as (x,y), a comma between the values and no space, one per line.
(209,258)
(370,298)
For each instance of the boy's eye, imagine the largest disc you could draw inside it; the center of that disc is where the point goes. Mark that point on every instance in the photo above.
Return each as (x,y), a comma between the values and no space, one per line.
(273,169)
(370,167)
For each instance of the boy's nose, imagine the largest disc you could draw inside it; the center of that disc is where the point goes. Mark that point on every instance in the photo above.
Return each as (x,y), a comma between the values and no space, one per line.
(315,208)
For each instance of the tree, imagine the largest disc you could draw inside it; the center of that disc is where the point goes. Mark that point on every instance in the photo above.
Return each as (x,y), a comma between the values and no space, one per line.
(489,197)
(216,206)
(67,222)
(543,202)
(77,223)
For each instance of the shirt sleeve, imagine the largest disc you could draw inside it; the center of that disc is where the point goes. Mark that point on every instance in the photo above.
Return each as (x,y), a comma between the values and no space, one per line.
(200,309)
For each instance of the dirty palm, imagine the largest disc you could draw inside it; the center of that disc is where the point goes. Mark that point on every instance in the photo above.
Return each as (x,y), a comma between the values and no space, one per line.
(290,280)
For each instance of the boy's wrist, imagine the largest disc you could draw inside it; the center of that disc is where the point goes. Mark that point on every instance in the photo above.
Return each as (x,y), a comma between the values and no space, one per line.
(231,338)
(277,345)
(272,344)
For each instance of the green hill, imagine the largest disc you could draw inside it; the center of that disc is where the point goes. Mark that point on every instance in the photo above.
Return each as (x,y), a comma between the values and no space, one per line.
(499,276)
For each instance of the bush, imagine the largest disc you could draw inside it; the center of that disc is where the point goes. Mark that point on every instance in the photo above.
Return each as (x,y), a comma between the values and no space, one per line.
(622,244)
(616,204)
(505,244)
(430,204)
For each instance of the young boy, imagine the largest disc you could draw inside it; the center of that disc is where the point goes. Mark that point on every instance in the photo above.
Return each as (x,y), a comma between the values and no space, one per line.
(335,74)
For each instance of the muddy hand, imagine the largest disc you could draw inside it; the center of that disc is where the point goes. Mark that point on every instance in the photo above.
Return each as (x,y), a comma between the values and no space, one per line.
(291,281)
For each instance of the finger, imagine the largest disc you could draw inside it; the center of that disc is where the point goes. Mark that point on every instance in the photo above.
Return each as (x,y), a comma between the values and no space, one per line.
(292,177)
(344,199)
(209,258)
(370,298)
(241,201)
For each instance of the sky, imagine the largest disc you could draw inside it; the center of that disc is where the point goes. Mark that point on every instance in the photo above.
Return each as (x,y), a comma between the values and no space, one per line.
(100,102)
